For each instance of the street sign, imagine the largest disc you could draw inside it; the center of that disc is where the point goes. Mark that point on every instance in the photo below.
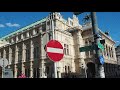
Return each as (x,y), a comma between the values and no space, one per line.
(101,60)
(3,62)
(8,73)
(88,48)
(100,46)
(54,50)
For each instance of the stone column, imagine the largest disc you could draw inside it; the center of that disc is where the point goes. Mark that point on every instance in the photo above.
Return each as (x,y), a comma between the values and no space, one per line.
(10,56)
(16,61)
(31,58)
(4,53)
(15,71)
(23,58)
(114,54)
(42,57)
(59,69)
(42,69)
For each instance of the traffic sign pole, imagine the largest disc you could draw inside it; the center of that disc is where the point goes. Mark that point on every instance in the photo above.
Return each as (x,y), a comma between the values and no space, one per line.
(99,67)
(55,66)
(3,69)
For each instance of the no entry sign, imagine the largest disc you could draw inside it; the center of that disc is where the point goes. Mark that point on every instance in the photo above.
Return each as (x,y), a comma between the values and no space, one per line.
(54,50)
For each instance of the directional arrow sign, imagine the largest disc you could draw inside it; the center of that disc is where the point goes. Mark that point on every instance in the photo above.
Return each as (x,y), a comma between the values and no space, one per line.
(100,46)
(88,48)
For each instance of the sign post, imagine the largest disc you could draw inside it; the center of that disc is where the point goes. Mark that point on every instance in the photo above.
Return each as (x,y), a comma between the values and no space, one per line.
(8,73)
(3,64)
(55,53)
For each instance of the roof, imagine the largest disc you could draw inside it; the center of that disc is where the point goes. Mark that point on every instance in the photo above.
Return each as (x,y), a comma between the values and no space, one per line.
(89,26)
(24,28)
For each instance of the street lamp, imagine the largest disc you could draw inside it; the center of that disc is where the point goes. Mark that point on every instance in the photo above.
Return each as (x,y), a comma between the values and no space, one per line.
(98,66)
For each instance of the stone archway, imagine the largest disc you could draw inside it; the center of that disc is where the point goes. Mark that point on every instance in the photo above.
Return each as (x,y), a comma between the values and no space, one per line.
(90,70)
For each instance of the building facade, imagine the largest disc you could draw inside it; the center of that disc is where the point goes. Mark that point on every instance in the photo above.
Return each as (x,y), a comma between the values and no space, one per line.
(118,59)
(109,54)
(26,53)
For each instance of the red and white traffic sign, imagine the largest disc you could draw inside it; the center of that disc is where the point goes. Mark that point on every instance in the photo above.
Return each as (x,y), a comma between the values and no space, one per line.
(54,50)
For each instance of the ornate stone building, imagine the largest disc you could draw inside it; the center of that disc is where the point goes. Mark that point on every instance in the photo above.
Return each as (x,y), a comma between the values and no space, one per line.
(26,49)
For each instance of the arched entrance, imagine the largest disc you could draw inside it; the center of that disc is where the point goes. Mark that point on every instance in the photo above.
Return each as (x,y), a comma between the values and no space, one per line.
(90,70)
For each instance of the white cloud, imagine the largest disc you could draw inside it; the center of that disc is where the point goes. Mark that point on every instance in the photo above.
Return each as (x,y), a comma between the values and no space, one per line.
(117,41)
(1,25)
(12,25)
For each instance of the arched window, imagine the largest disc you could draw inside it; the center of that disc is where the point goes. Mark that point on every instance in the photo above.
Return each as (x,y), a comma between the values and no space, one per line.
(65,69)
(111,52)
(107,50)
(68,69)
(104,49)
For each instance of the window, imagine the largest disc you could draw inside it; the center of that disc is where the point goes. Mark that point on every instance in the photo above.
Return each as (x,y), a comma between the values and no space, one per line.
(27,54)
(71,23)
(65,69)
(104,50)
(10,41)
(37,31)
(13,55)
(86,43)
(90,42)
(107,50)
(36,73)
(66,49)
(19,37)
(19,54)
(36,52)
(27,72)
(47,70)
(68,69)
(111,52)
(91,53)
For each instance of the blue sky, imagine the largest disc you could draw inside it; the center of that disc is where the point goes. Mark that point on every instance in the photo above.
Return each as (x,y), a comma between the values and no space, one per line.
(11,21)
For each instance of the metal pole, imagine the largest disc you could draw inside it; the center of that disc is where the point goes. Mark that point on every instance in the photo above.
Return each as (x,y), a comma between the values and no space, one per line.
(55,66)
(85,72)
(99,67)
(3,69)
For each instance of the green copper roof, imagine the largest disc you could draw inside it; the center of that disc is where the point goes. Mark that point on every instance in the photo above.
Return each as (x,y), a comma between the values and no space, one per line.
(24,28)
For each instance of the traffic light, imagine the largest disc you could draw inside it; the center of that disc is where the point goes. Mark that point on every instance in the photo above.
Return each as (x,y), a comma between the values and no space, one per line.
(77,13)
(102,41)
(101,44)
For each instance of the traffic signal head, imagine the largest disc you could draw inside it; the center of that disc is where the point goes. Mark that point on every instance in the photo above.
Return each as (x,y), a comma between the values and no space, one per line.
(102,41)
